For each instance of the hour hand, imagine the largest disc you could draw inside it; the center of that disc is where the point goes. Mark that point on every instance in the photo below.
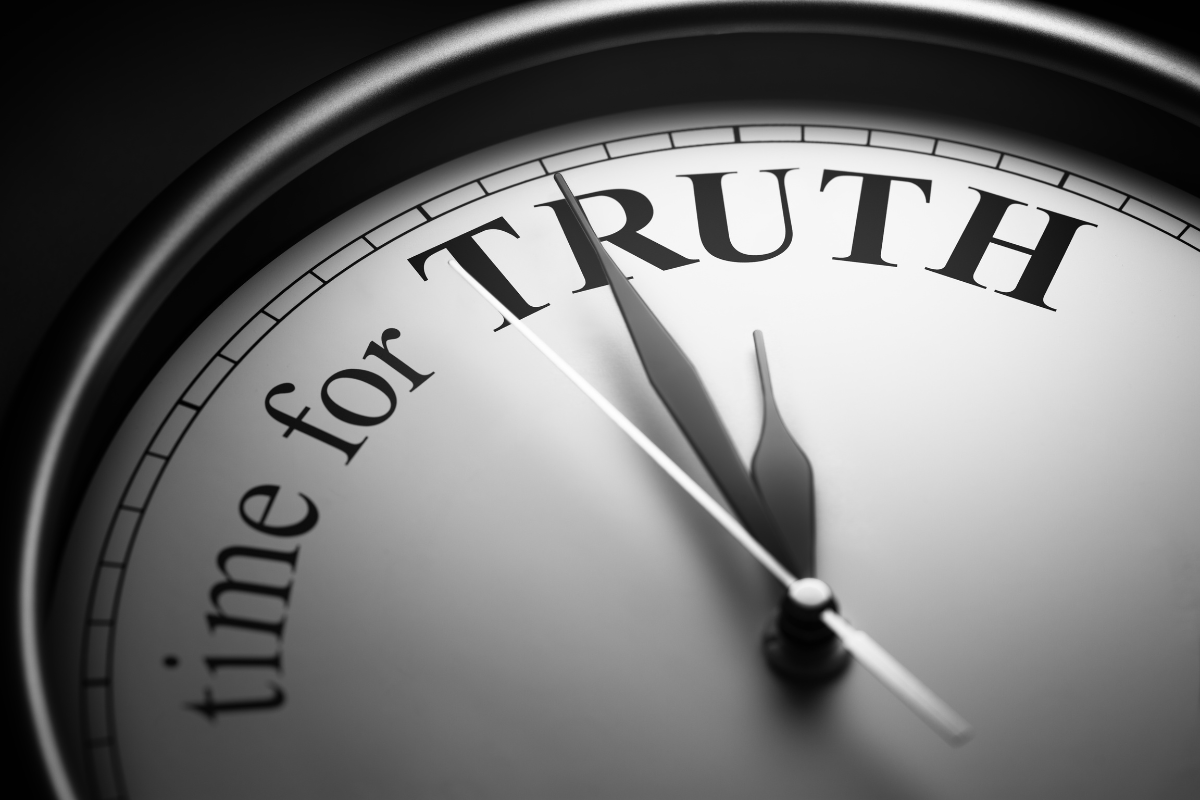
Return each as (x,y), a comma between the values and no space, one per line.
(783,475)
(679,386)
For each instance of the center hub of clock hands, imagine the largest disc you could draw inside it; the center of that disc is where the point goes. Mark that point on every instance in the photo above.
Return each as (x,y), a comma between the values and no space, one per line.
(798,644)
(809,639)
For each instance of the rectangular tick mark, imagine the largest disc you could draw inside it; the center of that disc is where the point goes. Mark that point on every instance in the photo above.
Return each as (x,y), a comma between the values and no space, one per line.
(245,339)
(207,381)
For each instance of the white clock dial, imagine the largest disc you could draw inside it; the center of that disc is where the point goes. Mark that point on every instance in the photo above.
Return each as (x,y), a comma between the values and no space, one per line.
(355,541)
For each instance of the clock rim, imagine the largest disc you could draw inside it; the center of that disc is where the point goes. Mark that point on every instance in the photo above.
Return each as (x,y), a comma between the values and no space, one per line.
(113,306)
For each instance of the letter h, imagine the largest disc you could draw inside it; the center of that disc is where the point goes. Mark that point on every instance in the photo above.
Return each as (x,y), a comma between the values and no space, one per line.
(1044,257)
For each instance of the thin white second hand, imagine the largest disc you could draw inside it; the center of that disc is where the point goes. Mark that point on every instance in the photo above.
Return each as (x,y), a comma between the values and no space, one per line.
(902,683)
(723,517)
(936,713)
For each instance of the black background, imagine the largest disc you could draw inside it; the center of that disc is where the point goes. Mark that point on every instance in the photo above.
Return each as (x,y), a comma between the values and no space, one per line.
(104,106)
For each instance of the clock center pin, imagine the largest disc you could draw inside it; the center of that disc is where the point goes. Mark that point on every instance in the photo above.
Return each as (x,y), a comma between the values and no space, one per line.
(797,644)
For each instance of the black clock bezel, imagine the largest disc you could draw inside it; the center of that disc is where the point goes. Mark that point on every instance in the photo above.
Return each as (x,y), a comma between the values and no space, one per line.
(1042,70)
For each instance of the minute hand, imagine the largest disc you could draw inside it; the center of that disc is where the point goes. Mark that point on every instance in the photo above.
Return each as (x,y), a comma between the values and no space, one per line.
(682,392)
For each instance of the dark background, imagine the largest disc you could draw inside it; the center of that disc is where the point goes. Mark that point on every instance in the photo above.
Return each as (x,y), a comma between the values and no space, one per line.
(104,106)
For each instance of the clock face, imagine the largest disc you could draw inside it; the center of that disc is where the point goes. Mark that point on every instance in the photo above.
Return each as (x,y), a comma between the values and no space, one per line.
(358,538)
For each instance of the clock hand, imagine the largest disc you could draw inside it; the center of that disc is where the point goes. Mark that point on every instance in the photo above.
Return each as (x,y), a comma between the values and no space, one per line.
(783,475)
(902,683)
(715,509)
(682,392)
(806,598)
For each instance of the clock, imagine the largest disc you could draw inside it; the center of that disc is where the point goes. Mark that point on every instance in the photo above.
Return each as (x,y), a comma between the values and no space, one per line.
(304,515)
